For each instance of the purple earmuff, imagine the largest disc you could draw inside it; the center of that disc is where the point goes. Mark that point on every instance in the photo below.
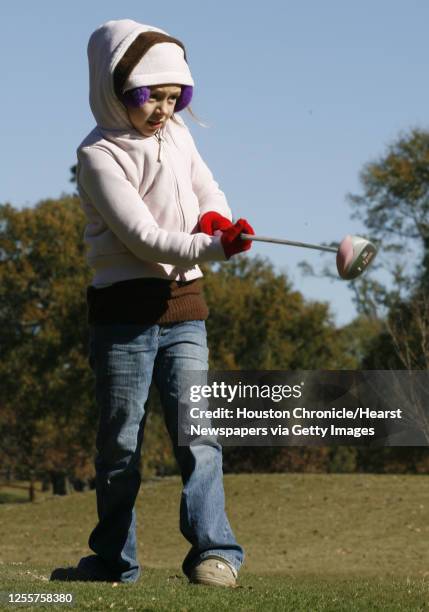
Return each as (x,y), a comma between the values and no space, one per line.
(138,96)
(185,98)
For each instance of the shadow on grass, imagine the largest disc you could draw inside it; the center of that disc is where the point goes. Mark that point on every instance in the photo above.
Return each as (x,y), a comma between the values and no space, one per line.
(89,569)
(70,574)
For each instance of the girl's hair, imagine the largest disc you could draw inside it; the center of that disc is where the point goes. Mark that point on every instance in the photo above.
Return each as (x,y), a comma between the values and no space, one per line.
(133,55)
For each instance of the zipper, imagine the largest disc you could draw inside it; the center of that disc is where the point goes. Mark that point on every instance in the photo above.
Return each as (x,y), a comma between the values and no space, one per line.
(165,157)
(160,139)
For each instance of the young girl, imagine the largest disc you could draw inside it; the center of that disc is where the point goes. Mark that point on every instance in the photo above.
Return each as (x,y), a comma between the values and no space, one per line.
(154,213)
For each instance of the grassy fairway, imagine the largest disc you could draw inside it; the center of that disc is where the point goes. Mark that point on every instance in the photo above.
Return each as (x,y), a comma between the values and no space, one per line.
(313,542)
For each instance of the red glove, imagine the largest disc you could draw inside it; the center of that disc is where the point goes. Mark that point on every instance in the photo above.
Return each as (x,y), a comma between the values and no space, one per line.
(212,221)
(231,241)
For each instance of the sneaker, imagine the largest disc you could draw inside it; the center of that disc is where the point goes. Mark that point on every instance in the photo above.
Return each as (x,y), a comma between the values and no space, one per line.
(214,571)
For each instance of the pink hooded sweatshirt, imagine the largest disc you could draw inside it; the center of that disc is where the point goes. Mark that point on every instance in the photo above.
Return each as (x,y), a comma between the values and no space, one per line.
(142,195)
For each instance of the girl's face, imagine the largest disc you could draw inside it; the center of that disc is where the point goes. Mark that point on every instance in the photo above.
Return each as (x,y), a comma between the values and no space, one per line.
(156,111)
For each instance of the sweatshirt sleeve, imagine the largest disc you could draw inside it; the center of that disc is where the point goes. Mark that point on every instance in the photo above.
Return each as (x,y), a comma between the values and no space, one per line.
(210,197)
(102,181)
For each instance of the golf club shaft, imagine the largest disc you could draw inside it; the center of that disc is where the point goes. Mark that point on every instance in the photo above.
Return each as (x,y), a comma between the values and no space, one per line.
(305,245)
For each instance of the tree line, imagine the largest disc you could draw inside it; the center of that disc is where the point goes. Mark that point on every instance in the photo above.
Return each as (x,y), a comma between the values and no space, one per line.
(258,321)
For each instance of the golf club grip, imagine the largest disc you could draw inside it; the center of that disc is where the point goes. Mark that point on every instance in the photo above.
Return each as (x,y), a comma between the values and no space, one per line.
(303,245)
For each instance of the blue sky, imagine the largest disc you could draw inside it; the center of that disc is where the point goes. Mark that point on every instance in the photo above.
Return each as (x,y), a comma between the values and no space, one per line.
(298,95)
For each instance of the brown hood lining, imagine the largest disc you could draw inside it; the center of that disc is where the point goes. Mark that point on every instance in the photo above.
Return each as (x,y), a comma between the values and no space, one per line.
(134,53)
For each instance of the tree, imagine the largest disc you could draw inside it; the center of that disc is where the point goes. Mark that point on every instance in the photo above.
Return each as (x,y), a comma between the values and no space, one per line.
(395,202)
(45,383)
(257,321)
(395,208)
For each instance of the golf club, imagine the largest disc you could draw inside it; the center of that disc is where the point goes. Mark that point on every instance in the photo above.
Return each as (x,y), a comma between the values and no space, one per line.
(354,253)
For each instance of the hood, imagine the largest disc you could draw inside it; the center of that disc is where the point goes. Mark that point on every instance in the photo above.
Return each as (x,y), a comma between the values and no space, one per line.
(106,47)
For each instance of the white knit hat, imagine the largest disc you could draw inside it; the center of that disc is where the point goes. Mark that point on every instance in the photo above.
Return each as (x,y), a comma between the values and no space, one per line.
(162,63)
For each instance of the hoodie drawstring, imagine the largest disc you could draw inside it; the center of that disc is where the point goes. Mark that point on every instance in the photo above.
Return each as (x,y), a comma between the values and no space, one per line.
(159,138)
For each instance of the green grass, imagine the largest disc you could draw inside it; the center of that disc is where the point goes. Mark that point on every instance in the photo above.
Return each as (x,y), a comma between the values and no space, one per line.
(165,590)
(312,542)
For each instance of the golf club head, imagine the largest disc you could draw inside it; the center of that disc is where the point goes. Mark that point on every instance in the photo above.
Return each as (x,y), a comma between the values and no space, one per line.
(353,256)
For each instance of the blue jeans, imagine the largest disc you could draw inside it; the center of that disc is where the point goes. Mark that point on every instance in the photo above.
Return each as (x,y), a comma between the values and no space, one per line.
(125,358)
